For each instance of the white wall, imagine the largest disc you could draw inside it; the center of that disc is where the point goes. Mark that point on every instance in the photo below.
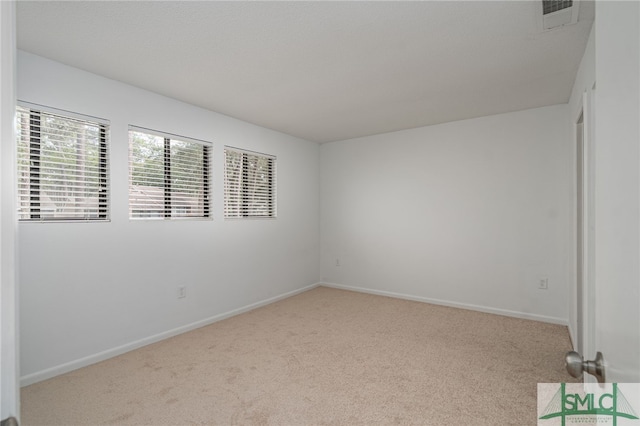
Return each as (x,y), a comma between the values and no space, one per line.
(470,213)
(92,290)
(585,77)
(9,390)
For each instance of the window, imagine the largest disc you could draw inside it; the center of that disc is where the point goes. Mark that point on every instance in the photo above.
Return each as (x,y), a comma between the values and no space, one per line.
(168,176)
(62,165)
(249,184)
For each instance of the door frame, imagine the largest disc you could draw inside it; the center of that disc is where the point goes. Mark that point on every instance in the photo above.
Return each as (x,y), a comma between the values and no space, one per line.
(585,338)
(9,364)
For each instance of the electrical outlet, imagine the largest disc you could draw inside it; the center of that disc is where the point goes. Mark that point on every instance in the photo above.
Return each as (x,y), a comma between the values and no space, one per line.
(543,284)
(337,262)
(182,292)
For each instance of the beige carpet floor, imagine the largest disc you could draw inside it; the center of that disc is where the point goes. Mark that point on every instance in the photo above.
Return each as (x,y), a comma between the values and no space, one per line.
(325,356)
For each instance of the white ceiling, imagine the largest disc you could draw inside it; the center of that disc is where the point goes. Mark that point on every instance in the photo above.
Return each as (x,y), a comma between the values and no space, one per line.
(322,71)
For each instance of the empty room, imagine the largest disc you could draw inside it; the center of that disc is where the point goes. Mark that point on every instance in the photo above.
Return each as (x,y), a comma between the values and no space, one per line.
(305,213)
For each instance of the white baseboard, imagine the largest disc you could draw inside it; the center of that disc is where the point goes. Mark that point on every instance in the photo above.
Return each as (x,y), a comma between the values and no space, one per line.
(110,353)
(497,311)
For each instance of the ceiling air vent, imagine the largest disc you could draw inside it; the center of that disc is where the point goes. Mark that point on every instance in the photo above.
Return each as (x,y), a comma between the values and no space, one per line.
(556,13)
(550,6)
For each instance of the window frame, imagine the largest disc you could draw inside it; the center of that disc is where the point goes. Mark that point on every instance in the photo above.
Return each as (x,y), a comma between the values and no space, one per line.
(34,157)
(245,199)
(207,165)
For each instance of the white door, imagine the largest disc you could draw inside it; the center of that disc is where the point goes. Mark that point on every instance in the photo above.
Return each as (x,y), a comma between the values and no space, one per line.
(9,390)
(617,190)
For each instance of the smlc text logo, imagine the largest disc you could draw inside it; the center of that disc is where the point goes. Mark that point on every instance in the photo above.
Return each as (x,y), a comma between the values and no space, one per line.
(598,404)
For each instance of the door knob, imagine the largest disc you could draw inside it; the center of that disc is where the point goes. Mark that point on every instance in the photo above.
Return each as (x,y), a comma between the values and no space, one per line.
(11,421)
(576,365)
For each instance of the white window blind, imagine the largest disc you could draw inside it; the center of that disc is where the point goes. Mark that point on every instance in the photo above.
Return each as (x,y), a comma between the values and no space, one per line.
(168,176)
(62,165)
(249,184)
